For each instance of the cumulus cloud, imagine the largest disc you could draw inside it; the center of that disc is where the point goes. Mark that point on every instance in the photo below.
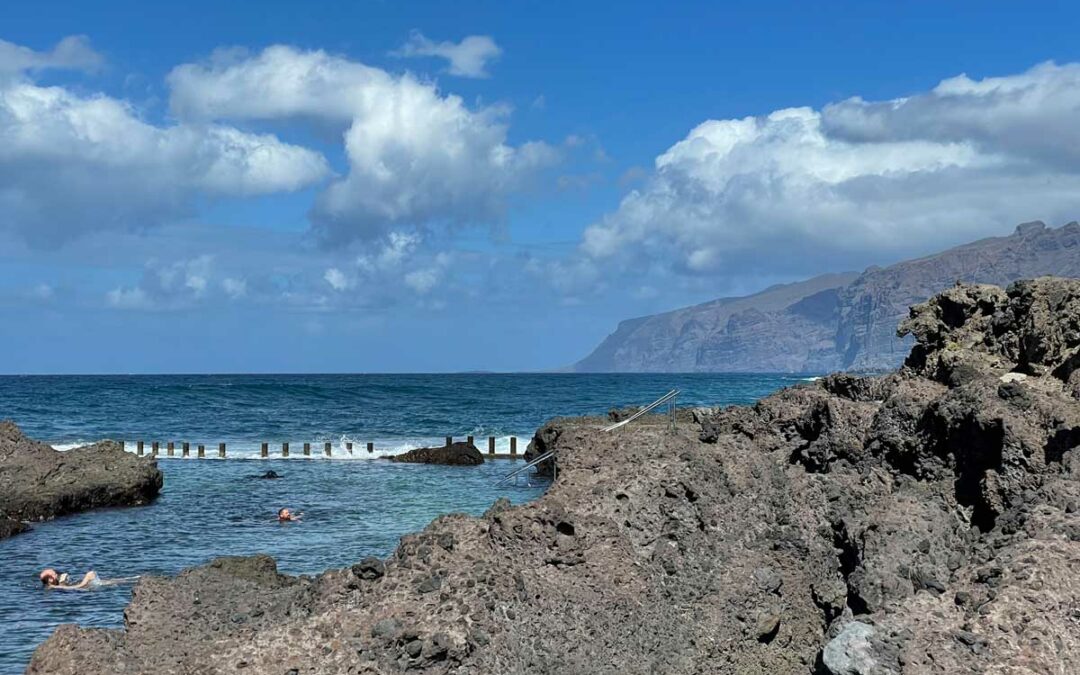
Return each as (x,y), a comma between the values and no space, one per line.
(167,285)
(234,288)
(72,53)
(71,163)
(337,279)
(388,254)
(128,298)
(416,157)
(422,281)
(856,180)
(468,58)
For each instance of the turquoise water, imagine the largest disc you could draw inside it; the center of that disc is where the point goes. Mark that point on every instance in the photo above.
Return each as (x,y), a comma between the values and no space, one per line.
(354,506)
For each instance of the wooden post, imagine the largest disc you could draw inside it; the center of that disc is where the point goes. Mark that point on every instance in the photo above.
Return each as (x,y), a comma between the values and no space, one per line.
(284,449)
(221,450)
(186,451)
(264,451)
(139,448)
(513,445)
(370,448)
(170,448)
(491,445)
(326,449)
(449,441)
(202,451)
(154,448)
(307,449)
(348,446)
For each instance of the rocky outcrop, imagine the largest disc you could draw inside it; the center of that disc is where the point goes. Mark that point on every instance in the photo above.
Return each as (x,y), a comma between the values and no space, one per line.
(927,521)
(456,454)
(11,526)
(833,322)
(39,483)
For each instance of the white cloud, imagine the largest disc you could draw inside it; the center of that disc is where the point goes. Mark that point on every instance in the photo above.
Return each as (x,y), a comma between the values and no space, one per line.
(422,281)
(337,279)
(128,298)
(71,163)
(468,58)
(234,288)
(168,285)
(856,180)
(391,252)
(72,53)
(416,157)
(43,292)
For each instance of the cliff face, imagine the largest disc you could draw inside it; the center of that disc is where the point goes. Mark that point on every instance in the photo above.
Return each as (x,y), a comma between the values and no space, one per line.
(833,322)
(926,522)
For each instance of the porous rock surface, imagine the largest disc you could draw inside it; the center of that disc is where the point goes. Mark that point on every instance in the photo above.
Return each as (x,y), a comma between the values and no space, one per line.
(921,522)
(455,454)
(40,483)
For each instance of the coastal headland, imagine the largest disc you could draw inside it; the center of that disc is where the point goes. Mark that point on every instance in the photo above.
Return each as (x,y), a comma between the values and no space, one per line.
(924,521)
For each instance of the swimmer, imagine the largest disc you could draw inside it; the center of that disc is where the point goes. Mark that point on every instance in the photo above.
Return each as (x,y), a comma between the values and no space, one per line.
(50,578)
(287,516)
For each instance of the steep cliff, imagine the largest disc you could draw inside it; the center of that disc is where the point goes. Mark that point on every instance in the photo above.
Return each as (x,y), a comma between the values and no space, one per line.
(832,322)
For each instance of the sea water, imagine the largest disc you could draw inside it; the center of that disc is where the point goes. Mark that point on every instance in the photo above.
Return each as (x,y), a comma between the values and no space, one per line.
(353,504)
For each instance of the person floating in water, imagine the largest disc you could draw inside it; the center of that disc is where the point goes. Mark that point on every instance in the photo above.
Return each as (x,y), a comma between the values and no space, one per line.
(50,578)
(287,516)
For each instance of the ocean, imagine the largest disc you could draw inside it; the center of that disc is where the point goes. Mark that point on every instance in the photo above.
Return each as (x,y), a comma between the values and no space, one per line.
(353,506)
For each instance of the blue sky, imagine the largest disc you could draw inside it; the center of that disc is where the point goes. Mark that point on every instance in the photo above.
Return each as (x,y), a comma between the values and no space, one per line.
(351,186)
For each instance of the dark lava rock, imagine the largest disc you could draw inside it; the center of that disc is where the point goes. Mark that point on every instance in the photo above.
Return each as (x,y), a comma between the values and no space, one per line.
(920,522)
(39,483)
(369,568)
(11,526)
(465,454)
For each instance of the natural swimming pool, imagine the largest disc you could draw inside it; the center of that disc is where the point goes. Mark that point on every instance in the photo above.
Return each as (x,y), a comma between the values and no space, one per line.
(208,508)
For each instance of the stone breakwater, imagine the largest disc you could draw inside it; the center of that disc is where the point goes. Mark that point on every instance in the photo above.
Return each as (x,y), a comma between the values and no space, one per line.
(40,483)
(921,522)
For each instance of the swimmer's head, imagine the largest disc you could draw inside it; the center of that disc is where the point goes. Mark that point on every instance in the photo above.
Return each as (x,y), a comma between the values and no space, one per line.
(49,577)
(283,514)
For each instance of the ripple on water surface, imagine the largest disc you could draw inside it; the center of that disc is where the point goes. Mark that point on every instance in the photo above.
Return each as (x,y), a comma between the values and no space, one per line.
(351,510)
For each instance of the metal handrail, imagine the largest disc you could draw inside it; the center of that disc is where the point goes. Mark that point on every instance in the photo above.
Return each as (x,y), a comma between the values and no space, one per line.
(658,402)
(517,472)
(666,398)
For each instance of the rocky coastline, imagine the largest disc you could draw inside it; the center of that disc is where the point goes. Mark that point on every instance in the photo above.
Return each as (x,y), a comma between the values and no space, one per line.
(924,521)
(456,454)
(39,483)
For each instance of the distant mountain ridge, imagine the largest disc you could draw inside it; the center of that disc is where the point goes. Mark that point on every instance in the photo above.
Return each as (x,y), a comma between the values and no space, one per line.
(832,322)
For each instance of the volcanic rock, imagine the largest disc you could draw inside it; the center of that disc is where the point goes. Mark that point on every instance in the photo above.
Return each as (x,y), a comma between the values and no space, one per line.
(464,454)
(916,523)
(40,483)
